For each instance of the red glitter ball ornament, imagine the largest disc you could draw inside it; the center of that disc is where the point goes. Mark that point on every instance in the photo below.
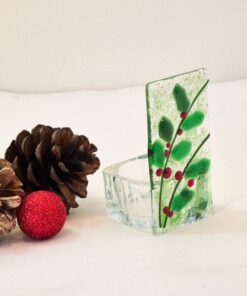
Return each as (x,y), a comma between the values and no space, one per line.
(41,215)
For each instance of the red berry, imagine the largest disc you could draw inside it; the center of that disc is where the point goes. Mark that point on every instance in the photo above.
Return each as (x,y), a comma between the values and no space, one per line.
(166,210)
(180,131)
(178,175)
(167,153)
(183,114)
(191,182)
(167,173)
(170,214)
(159,172)
(168,145)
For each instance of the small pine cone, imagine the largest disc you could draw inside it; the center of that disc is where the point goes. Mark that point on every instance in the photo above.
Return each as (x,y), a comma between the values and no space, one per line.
(53,159)
(10,197)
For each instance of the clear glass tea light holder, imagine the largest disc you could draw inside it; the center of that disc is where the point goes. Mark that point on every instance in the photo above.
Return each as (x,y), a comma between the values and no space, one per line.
(170,186)
(128,194)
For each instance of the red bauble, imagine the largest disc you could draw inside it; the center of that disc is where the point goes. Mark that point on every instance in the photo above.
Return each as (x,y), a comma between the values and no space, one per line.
(41,215)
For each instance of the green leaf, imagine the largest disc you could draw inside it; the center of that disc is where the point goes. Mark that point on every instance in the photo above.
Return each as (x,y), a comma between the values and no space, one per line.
(166,129)
(193,120)
(192,171)
(157,156)
(181,98)
(203,166)
(181,150)
(198,168)
(182,199)
(202,206)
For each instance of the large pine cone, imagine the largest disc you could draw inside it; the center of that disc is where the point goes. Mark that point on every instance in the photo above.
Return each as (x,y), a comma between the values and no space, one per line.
(53,159)
(10,197)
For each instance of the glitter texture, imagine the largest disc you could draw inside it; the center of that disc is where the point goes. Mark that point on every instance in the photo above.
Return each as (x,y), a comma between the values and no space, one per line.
(41,215)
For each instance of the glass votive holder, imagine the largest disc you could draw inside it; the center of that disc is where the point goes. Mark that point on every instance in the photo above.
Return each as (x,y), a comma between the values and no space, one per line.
(128,194)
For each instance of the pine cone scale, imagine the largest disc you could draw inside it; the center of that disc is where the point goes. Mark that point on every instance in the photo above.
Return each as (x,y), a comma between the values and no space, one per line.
(31,175)
(10,197)
(7,223)
(27,147)
(6,176)
(10,202)
(19,139)
(42,150)
(69,197)
(57,152)
(66,134)
(74,186)
(19,167)
(63,167)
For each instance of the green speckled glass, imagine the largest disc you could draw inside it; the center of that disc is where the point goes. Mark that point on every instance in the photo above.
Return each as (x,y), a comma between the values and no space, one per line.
(178,150)
(170,186)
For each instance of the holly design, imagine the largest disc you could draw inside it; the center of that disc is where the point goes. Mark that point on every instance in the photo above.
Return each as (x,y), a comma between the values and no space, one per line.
(176,148)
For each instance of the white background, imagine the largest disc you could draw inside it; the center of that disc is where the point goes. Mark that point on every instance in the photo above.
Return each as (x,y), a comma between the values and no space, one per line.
(58,45)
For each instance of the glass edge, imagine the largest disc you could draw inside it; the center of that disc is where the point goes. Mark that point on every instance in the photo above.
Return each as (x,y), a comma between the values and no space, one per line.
(173,76)
(109,170)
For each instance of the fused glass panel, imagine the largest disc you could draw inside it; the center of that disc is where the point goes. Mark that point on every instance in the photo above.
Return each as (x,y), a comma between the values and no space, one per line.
(178,150)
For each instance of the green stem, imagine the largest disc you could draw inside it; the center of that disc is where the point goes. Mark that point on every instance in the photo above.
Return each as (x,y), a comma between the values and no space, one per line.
(172,143)
(185,168)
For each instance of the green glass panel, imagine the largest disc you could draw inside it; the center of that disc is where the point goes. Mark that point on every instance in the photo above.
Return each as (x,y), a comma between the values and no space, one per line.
(178,116)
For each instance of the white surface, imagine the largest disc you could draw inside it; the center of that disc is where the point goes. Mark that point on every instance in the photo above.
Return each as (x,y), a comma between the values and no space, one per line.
(98,257)
(63,45)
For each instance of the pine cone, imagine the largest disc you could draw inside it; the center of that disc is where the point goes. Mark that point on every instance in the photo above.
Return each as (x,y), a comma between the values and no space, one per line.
(53,159)
(10,197)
